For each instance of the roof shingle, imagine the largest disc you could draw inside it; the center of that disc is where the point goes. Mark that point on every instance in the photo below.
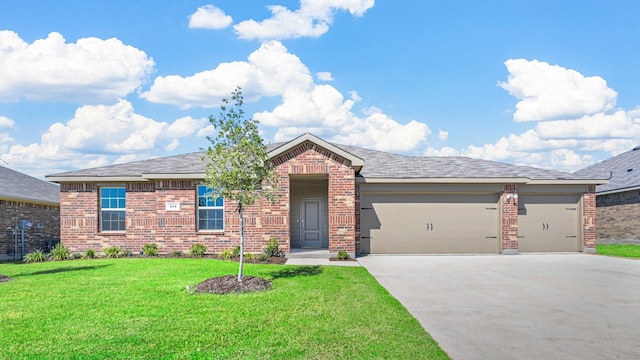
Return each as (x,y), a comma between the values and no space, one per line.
(377,164)
(17,186)
(623,172)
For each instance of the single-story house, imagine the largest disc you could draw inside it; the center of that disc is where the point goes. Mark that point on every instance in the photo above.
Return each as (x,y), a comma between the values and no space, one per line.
(28,204)
(335,197)
(618,201)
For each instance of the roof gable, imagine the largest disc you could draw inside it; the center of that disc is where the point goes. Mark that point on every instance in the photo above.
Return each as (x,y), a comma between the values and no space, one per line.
(356,162)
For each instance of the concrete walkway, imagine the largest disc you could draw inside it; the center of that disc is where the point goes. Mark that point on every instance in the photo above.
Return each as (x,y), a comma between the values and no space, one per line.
(317,261)
(552,306)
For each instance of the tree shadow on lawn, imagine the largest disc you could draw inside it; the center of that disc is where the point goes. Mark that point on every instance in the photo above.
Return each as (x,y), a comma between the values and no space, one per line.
(63,269)
(294,271)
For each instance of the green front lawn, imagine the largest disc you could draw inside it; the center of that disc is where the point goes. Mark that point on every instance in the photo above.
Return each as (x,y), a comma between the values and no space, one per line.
(141,309)
(630,251)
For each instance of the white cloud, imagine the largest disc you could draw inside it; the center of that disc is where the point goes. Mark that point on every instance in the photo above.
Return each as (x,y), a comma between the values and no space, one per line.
(306,106)
(268,71)
(551,92)
(312,19)
(525,149)
(90,70)
(600,125)
(381,132)
(324,76)
(575,120)
(323,111)
(5,138)
(99,134)
(6,123)
(443,135)
(209,17)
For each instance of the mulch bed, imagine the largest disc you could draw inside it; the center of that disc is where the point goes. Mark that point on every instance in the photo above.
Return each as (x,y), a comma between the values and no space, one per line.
(276,260)
(4,278)
(229,284)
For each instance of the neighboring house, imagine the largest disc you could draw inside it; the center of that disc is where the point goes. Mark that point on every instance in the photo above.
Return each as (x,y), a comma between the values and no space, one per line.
(618,202)
(335,197)
(34,201)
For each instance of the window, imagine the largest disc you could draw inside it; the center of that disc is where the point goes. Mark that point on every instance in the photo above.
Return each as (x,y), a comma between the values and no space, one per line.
(112,208)
(210,210)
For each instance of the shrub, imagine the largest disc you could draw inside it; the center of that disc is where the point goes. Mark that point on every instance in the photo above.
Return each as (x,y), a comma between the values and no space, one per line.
(150,249)
(236,251)
(176,253)
(272,248)
(249,256)
(89,254)
(226,254)
(75,255)
(113,251)
(60,252)
(125,252)
(264,256)
(343,255)
(35,256)
(197,250)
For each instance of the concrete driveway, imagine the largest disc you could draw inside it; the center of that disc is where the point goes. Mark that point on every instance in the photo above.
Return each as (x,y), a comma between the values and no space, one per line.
(542,306)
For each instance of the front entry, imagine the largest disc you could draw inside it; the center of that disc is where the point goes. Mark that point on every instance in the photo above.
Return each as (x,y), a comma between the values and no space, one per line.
(311,224)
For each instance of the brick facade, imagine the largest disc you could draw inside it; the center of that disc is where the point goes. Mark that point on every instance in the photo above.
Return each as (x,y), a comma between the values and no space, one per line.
(618,217)
(148,220)
(509,223)
(47,217)
(509,220)
(589,219)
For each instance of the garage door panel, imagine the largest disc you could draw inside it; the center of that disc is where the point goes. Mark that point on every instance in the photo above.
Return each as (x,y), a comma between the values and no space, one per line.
(421,224)
(548,223)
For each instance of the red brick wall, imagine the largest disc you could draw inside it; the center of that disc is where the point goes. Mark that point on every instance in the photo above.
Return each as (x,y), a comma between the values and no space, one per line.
(11,214)
(310,159)
(147,220)
(509,219)
(589,219)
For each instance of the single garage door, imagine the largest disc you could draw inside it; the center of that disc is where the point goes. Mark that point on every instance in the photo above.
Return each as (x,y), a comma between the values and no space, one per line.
(426,224)
(548,223)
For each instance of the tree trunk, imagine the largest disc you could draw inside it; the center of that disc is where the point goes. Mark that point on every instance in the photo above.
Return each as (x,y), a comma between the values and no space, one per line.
(241,210)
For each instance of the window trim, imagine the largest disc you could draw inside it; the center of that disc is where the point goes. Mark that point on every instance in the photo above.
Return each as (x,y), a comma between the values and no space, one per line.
(214,207)
(102,210)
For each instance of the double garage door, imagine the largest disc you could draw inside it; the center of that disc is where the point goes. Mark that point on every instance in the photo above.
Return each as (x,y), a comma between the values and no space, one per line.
(463,223)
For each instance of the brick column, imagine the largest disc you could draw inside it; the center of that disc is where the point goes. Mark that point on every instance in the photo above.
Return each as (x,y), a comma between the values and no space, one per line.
(509,202)
(589,220)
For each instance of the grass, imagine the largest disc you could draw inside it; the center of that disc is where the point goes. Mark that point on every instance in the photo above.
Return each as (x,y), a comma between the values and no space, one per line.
(629,251)
(141,309)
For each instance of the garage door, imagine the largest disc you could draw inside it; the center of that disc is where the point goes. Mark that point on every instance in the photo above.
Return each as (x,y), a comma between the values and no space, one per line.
(425,224)
(548,223)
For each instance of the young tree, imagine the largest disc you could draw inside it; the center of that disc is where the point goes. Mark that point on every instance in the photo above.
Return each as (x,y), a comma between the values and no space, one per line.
(238,168)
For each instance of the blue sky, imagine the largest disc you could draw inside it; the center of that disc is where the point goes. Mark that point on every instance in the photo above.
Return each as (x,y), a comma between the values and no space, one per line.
(541,83)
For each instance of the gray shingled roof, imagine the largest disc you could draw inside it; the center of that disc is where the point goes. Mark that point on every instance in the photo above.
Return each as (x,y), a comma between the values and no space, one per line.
(377,164)
(16,186)
(385,165)
(623,172)
(190,163)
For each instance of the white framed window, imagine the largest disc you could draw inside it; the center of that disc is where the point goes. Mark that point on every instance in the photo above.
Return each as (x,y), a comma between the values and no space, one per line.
(210,210)
(112,208)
